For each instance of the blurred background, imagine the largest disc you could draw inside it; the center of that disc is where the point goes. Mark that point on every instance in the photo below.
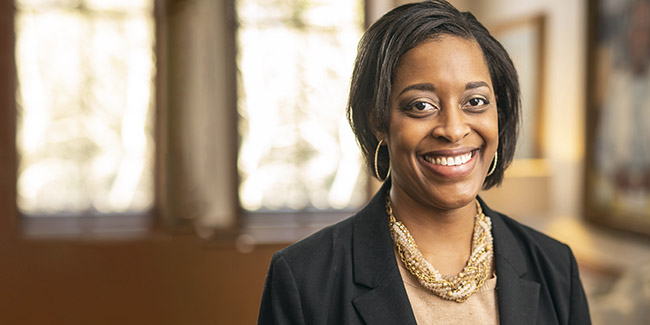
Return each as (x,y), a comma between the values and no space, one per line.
(155,153)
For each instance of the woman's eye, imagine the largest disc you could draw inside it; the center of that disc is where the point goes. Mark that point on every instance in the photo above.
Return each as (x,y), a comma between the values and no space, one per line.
(421,106)
(477,101)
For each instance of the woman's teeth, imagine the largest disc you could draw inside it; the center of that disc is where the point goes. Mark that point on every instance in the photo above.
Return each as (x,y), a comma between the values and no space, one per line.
(449,161)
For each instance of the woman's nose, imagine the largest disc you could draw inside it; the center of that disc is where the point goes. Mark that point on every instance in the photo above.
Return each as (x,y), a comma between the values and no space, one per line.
(451,125)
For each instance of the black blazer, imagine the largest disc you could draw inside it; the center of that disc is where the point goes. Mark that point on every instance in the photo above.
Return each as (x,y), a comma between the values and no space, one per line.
(347,274)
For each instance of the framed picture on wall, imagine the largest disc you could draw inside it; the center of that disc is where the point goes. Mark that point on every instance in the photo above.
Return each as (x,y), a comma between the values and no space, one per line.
(525,41)
(617,162)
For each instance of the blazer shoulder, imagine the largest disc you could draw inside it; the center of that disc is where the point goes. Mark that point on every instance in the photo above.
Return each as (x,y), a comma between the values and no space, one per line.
(532,238)
(543,260)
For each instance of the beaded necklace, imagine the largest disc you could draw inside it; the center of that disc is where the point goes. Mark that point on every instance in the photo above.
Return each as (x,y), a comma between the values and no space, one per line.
(458,287)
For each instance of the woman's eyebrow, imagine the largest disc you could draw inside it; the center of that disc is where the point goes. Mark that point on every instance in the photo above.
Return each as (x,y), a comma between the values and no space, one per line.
(431,87)
(476,84)
(422,86)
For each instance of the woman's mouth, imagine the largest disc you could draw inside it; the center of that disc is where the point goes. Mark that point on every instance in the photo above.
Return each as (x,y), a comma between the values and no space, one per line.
(451,164)
(449,160)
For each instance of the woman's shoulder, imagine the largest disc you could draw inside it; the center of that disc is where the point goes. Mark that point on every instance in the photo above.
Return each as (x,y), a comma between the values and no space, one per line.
(540,253)
(523,252)
(334,244)
(533,238)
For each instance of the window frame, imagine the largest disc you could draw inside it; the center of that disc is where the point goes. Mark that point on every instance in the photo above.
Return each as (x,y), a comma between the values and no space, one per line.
(74,225)
(8,155)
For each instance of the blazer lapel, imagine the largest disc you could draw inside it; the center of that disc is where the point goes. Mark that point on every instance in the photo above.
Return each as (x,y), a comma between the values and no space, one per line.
(375,267)
(387,303)
(517,297)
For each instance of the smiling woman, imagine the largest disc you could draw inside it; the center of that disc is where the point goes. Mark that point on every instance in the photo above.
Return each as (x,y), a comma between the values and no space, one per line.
(434,104)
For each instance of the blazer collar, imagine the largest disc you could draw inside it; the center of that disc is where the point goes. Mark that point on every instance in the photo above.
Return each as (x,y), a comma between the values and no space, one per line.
(375,267)
(517,297)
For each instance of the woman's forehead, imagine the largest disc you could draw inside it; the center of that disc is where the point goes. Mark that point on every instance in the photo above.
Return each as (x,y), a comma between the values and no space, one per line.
(446,58)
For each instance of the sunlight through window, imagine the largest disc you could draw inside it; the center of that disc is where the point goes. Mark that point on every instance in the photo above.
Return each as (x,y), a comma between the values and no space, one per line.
(295,60)
(85,98)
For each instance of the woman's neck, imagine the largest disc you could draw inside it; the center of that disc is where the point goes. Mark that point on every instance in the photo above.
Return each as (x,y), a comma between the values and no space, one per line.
(443,236)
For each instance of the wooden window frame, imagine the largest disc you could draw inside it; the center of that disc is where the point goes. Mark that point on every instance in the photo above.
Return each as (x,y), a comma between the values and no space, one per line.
(8,154)
(63,226)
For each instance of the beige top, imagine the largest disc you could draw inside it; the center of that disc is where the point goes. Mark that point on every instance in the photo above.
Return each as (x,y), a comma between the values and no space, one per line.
(479,308)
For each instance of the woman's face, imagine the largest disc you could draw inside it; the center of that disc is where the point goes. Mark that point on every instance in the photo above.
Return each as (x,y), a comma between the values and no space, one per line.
(443,129)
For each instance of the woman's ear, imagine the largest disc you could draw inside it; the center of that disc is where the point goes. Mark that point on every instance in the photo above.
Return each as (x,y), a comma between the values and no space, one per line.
(379,135)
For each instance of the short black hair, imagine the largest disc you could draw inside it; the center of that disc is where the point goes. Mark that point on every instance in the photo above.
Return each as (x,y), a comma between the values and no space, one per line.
(402,29)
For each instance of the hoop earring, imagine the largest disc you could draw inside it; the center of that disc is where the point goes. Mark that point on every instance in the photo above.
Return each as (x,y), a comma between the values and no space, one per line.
(494,165)
(376,168)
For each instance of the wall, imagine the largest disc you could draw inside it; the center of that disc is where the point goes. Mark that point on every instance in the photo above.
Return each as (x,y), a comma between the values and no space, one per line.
(197,101)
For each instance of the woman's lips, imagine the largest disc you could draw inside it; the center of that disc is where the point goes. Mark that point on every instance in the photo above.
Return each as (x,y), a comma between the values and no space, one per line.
(449,160)
(451,164)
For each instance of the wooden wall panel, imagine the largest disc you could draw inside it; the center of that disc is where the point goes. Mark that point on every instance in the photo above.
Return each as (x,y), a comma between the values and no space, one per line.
(167,280)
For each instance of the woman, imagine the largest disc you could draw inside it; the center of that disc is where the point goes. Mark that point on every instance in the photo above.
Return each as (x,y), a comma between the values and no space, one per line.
(434,104)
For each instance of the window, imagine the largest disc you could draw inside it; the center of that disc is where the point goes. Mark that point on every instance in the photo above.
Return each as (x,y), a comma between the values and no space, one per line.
(295,60)
(85,110)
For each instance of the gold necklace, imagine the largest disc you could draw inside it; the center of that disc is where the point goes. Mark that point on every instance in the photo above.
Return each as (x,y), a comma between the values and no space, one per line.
(458,287)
